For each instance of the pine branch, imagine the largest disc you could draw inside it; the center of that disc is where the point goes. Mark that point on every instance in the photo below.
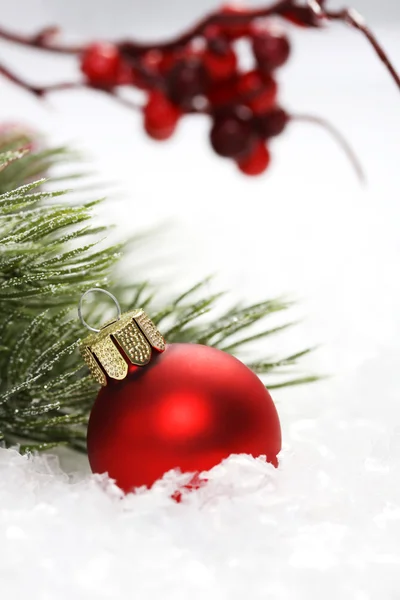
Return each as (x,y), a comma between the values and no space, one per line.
(50,252)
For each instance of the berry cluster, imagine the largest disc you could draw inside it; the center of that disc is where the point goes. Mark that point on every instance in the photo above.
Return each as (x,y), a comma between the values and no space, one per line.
(199,71)
(204,76)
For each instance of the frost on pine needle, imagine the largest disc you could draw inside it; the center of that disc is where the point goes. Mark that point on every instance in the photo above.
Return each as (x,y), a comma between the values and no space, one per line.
(50,253)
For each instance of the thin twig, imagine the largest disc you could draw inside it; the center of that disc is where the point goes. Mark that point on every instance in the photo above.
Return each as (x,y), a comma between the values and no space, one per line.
(340,139)
(18,81)
(356,21)
(41,91)
(42,40)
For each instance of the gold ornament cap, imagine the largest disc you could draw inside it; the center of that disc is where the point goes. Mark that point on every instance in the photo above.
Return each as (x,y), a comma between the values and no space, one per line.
(129,339)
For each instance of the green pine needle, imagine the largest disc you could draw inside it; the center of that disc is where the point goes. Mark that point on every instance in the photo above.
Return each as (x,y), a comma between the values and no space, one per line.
(50,253)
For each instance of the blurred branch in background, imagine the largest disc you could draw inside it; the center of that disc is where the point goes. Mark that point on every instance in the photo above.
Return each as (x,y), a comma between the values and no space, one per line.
(198,72)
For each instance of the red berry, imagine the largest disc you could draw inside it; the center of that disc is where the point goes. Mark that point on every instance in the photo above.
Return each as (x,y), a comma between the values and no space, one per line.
(152,60)
(126,75)
(161,134)
(167,62)
(158,62)
(271,50)
(160,116)
(232,137)
(222,93)
(186,80)
(219,59)
(272,123)
(256,162)
(150,66)
(220,67)
(258,92)
(101,63)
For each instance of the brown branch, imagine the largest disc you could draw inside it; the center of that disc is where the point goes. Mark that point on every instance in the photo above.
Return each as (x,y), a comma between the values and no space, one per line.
(312,13)
(43,40)
(340,139)
(41,91)
(20,82)
(356,21)
(133,49)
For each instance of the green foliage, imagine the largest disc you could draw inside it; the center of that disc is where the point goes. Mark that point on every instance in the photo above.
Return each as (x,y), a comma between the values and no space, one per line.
(50,253)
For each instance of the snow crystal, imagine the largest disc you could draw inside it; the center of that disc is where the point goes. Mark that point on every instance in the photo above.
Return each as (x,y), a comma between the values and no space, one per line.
(326,522)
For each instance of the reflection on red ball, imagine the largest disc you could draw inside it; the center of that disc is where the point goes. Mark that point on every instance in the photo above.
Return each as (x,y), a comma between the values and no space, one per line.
(190,408)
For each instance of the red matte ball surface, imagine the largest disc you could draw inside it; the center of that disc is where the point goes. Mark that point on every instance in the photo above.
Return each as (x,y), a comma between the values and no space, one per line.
(190,408)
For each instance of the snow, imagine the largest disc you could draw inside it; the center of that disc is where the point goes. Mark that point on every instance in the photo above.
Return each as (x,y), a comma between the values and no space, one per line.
(326,524)
(327,521)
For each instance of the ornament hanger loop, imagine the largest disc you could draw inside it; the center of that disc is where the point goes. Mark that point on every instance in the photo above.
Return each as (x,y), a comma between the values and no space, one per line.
(92,290)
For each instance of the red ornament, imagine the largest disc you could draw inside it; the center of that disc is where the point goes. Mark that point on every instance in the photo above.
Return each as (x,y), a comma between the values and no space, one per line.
(257,162)
(190,408)
(156,61)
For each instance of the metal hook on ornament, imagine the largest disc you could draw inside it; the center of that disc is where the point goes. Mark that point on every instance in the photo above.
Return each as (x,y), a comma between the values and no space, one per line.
(92,290)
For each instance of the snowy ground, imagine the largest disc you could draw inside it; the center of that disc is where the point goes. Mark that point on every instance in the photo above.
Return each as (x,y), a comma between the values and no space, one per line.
(327,523)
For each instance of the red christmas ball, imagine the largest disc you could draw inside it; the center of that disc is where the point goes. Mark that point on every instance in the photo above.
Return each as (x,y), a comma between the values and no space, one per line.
(190,408)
